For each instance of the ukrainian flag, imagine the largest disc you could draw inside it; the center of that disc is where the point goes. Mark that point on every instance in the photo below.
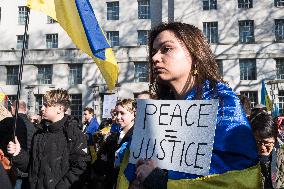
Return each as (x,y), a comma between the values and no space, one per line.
(77,18)
(265,100)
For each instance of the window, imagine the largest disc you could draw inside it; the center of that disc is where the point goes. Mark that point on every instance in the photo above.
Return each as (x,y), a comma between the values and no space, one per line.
(50,20)
(245,4)
(76,105)
(142,37)
(246,31)
(39,103)
(12,75)
(20,40)
(51,41)
(280,68)
(11,99)
(23,12)
(75,74)
(144,9)
(253,97)
(113,10)
(209,4)
(220,66)
(279,30)
(113,37)
(279,3)
(210,30)
(248,69)
(281,101)
(44,75)
(141,72)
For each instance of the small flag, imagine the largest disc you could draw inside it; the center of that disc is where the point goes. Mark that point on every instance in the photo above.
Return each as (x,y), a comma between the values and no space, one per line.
(77,18)
(265,99)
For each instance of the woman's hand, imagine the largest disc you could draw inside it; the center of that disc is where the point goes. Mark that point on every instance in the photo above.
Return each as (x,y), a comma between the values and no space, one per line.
(14,148)
(144,168)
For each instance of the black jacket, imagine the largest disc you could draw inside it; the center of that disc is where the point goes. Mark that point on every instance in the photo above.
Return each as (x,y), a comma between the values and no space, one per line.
(24,132)
(58,156)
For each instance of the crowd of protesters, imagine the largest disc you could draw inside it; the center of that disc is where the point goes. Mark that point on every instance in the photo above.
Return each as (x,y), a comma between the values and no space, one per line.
(57,151)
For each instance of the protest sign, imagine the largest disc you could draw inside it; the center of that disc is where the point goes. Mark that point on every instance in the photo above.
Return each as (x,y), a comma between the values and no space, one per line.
(108,104)
(177,134)
(4,112)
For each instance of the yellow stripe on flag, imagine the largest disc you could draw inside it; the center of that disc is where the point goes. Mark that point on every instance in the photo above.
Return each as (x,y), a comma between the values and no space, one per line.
(249,178)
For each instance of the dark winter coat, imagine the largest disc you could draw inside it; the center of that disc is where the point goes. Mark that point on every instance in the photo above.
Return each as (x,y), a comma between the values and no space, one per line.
(24,132)
(58,156)
(4,178)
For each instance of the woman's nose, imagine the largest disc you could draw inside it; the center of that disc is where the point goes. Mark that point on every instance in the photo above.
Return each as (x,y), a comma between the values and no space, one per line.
(156,57)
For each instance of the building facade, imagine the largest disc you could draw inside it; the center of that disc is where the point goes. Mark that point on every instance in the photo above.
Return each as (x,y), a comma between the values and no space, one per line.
(246,36)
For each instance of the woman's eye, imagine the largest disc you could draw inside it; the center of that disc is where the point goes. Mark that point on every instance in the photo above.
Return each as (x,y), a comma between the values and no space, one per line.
(166,49)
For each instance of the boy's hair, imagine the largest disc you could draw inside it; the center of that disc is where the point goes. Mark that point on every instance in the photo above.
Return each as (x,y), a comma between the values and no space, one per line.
(89,109)
(57,97)
(128,104)
(263,126)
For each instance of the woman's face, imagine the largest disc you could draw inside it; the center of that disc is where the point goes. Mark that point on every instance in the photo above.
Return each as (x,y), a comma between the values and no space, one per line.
(124,117)
(171,60)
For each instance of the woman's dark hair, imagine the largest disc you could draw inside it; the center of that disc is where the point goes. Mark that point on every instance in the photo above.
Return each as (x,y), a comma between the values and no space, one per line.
(245,102)
(202,58)
(263,126)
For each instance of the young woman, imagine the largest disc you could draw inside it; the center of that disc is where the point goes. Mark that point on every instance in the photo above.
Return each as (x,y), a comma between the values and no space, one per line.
(182,66)
(113,148)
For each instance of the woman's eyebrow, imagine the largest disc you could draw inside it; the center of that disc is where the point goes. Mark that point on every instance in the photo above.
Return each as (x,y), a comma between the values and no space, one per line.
(161,44)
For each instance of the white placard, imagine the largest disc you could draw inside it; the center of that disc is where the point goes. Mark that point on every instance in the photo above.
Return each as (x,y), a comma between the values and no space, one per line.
(108,104)
(177,134)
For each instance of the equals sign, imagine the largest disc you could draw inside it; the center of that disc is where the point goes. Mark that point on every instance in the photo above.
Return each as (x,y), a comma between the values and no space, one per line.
(169,133)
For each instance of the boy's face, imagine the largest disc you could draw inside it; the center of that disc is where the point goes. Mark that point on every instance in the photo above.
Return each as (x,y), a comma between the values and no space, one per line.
(52,113)
(124,117)
(87,116)
(265,146)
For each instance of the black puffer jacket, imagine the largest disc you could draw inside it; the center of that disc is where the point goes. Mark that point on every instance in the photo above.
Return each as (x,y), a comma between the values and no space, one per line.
(24,132)
(58,156)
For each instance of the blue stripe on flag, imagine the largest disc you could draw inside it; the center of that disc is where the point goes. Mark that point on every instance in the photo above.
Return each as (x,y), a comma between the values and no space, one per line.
(96,38)
(263,93)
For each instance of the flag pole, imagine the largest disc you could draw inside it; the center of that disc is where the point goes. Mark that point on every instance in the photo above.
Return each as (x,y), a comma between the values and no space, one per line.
(23,55)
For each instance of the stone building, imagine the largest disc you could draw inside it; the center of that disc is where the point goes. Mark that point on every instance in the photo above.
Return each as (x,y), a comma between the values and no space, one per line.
(246,36)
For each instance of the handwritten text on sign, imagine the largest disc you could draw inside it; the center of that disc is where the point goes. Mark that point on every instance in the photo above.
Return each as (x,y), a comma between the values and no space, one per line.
(177,134)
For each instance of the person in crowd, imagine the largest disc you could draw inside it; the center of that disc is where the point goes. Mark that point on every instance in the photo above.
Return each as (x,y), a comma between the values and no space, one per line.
(114,126)
(8,176)
(246,105)
(24,130)
(265,133)
(35,119)
(144,95)
(58,155)
(112,151)
(91,124)
(5,181)
(257,109)
(183,67)
(278,156)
